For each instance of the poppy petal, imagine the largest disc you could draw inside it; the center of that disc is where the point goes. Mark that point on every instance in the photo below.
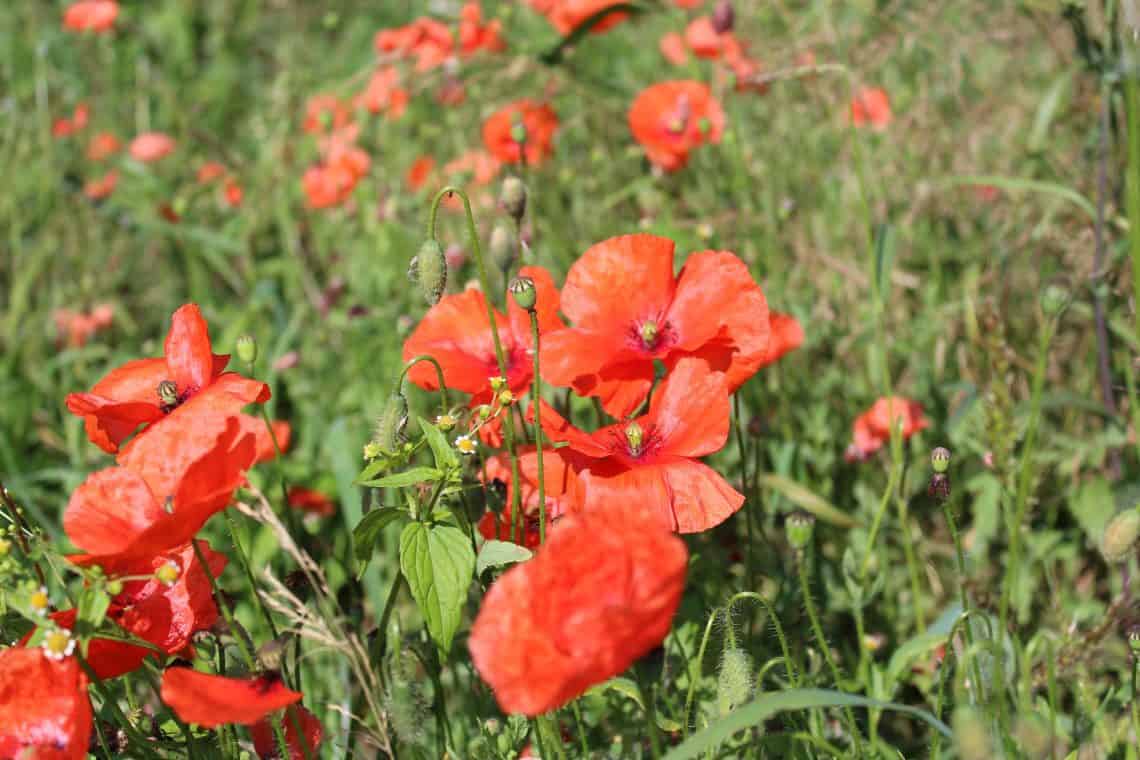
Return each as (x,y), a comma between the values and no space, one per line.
(109,510)
(611,489)
(560,430)
(302,745)
(163,454)
(187,349)
(715,291)
(456,333)
(44,709)
(108,422)
(620,281)
(210,701)
(690,411)
(702,499)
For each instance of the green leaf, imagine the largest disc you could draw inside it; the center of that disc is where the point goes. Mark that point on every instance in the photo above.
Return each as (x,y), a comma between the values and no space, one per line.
(367,532)
(808,500)
(1033,185)
(445,456)
(92,610)
(884,259)
(438,562)
(767,705)
(500,554)
(371,470)
(628,688)
(406,478)
(1092,507)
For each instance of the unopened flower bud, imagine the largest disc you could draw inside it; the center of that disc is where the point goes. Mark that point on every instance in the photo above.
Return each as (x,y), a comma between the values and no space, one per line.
(1120,536)
(114,587)
(246,349)
(1055,299)
(430,269)
(513,197)
(734,681)
(445,422)
(168,573)
(484,412)
(723,17)
(390,426)
(502,248)
(5,547)
(1133,636)
(799,527)
(270,654)
(498,382)
(506,397)
(940,459)
(168,393)
(523,291)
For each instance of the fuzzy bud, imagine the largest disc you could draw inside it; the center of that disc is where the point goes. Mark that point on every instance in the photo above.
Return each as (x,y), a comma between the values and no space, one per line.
(483,412)
(723,17)
(1055,298)
(1120,536)
(390,426)
(429,270)
(523,291)
(940,459)
(502,247)
(246,349)
(513,197)
(799,528)
(734,681)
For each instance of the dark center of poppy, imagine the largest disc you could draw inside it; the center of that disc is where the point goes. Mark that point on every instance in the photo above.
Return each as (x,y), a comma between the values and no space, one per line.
(635,441)
(677,120)
(169,398)
(652,335)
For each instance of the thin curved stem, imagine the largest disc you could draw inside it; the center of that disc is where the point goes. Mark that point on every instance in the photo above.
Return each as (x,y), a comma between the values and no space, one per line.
(693,678)
(438,374)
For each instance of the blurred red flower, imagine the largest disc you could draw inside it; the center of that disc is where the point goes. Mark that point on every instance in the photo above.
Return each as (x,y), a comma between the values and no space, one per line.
(787,335)
(91,16)
(325,113)
(313,502)
(653,460)
(672,47)
(560,485)
(151,146)
(144,391)
(265,742)
(871,108)
(103,146)
(474,35)
(671,118)
(872,429)
(629,310)
(428,41)
(539,123)
(65,127)
(457,334)
(232,193)
(210,701)
(419,172)
(44,709)
(706,42)
(102,187)
(540,641)
(568,15)
(383,93)
(79,327)
(210,171)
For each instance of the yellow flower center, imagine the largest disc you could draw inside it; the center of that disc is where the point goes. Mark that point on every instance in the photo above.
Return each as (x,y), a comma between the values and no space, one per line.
(168,574)
(58,644)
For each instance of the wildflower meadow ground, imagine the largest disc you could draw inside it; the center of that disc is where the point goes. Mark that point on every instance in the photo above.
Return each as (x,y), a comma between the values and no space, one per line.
(569,379)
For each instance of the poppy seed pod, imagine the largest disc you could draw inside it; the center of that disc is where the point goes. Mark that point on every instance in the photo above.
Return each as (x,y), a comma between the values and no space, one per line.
(502,247)
(518,132)
(799,528)
(1055,298)
(723,17)
(523,291)
(513,197)
(429,269)
(168,393)
(1133,636)
(734,681)
(1120,536)
(393,420)
(246,348)
(940,460)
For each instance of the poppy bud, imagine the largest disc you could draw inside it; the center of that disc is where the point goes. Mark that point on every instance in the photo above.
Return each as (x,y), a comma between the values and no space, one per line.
(246,348)
(734,682)
(1120,536)
(940,459)
(799,528)
(502,247)
(1055,299)
(390,426)
(513,197)
(168,393)
(723,17)
(524,293)
(114,587)
(518,132)
(429,269)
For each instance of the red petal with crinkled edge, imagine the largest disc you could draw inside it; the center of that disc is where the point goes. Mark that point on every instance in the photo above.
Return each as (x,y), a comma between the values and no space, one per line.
(108,422)
(187,349)
(263,441)
(690,411)
(787,335)
(164,453)
(559,429)
(309,737)
(619,281)
(110,510)
(210,701)
(457,334)
(44,709)
(540,641)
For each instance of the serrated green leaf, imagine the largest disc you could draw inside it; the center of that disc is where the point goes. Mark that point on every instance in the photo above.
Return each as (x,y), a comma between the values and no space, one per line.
(806,499)
(500,554)
(367,532)
(406,478)
(438,563)
(445,456)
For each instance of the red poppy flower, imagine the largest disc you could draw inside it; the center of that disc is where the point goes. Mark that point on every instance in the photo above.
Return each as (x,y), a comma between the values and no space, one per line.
(309,738)
(540,641)
(672,118)
(210,701)
(480,165)
(151,146)
(457,334)
(210,171)
(871,108)
(232,193)
(474,35)
(568,15)
(144,391)
(653,459)
(79,327)
(91,16)
(161,498)
(44,709)
(629,310)
(787,335)
(383,93)
(706,42)
(872,429)
(103,146)
(419,172)
(540,123)
(68,126)
(688,4)
(426,40)
(560,488)
(672,47)
(98,189)
(313,502)
(325,113)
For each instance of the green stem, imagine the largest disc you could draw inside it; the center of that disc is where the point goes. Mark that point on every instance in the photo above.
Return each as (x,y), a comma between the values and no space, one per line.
(694,677)
(964,597)
(500,358)
(647,699)
(581,726)
(911,563)
(438,374)
(243,560)
(537,400)
(385,616)
(1132,201)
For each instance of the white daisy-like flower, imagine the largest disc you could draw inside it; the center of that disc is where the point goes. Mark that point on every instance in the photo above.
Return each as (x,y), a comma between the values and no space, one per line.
(58,644)
(466,445)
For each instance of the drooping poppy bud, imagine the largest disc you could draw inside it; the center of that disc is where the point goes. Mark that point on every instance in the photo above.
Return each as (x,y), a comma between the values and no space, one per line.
(1120,536)
(429,269)
(246,348)
(390,426)
(502,247)
(524,292)
(723,17)
(734,681)
(513,197)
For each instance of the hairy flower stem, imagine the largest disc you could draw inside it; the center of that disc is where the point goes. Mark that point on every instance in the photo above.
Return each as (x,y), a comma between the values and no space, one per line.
(911,563)
(537,401)
(438,374)
(382,626)
(821,640)
(243,646)
(500,358)
(976,674)
(22,531)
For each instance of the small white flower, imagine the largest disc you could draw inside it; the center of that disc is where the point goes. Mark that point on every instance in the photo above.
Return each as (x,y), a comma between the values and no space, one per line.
(58,644)
(466,445)
(40,602)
